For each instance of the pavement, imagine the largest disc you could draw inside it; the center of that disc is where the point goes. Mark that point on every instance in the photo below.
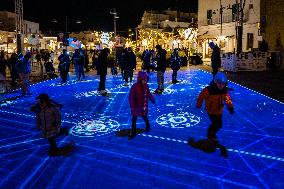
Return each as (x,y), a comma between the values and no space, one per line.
(173,155)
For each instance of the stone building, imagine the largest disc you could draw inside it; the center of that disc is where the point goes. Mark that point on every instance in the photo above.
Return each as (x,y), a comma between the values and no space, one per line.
(263,20)
(272,23)
(8,23)
(168,19)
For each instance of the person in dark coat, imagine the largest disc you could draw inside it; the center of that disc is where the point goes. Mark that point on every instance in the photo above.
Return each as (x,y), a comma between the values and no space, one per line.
(129,64)
(3,66)
(175,65)
(161,68)
(63,67)
(146,58)
(79,61)
(13,71)
(102,70)
(87,61)
(138,100)
(215,58)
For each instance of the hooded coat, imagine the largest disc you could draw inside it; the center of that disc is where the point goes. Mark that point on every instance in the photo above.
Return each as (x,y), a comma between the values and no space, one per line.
(139,95)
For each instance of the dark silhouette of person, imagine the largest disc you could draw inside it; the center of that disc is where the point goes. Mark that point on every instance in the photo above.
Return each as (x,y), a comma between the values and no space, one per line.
(102,70)
(215,58)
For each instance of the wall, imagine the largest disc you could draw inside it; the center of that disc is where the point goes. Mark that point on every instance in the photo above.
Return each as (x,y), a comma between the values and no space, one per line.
(273,11)
(251,19)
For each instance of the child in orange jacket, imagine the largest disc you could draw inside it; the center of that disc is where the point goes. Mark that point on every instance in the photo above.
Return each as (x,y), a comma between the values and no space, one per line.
(215,95)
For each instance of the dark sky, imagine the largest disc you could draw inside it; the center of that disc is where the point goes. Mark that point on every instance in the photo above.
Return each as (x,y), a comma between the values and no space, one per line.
(94,14)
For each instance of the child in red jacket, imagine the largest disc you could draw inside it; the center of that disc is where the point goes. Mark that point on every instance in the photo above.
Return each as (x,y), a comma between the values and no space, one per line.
(215,95)
(138,100)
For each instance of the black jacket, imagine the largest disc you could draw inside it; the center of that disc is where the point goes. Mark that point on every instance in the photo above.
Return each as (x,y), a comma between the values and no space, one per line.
(161,60)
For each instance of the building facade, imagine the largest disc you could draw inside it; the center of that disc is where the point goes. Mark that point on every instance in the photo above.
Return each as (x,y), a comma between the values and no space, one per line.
(8,34)
(272,23)
(262,21)
(8,23)
(168,19)
(223,31)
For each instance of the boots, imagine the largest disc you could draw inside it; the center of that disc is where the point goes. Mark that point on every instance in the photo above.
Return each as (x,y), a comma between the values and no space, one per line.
(53,151)
(133,130)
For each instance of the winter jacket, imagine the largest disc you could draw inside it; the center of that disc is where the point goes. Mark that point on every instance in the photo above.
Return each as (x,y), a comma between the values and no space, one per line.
(129,61)
(102,64)
(161,60)
(214,99)
(175,62)
(49,121)
(138,98)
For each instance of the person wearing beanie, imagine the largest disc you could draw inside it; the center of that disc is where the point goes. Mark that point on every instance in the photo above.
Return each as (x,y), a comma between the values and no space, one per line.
(138,100)
(215,95)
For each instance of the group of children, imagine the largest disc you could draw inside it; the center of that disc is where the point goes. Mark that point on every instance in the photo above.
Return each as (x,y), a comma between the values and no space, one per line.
(215,96)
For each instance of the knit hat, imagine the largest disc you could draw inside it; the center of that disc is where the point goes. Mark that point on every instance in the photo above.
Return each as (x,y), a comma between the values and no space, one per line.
(220,77)
(142,75)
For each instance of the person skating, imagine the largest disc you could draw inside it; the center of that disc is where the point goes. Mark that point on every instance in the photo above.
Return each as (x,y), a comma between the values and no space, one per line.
(138,100)
(215,95)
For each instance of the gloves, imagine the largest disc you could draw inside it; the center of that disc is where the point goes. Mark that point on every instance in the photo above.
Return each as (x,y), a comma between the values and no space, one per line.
(231,110)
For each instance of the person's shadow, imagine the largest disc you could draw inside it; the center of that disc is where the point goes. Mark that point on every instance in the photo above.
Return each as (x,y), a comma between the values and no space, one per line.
(208,146)
(127,132)
(65,150)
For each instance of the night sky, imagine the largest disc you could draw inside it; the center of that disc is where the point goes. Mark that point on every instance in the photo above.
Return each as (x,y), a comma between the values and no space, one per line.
(94,14)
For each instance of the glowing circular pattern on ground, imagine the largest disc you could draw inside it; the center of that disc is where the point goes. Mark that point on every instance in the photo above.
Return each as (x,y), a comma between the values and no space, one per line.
(93,127)
(178,120)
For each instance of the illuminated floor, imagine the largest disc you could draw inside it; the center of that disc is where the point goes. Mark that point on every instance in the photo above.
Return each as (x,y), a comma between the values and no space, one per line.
(99,155)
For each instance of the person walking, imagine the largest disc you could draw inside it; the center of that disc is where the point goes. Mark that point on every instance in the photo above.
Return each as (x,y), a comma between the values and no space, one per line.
(13,71)
(102,70)
(161,68)
(129,62)
(215,95)
(146,58)
(63,67)
(23,67)
(138,100)
(175,65)
(215,58)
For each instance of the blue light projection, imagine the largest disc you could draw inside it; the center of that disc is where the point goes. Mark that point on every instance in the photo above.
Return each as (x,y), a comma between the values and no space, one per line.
(178,120)
(93,128)
(161,158)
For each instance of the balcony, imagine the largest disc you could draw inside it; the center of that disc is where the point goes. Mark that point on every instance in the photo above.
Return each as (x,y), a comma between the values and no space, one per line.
(226,19)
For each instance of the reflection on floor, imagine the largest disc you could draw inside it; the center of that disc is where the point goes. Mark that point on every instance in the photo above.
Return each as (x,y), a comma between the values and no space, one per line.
(97,153)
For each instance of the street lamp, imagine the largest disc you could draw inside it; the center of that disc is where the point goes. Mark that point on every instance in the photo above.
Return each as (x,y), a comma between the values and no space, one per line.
(114,13)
